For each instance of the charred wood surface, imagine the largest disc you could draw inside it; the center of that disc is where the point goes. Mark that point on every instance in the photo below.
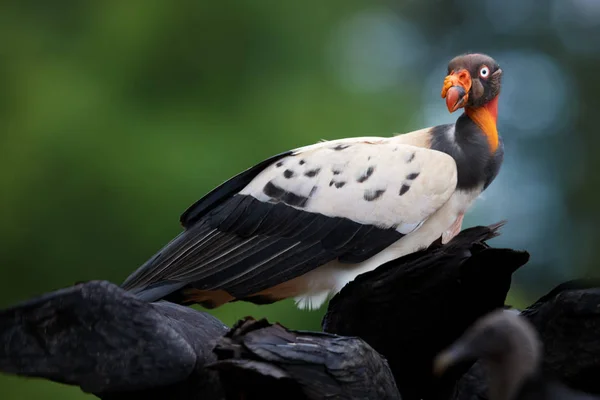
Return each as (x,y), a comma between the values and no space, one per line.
(259,359)
(104,340)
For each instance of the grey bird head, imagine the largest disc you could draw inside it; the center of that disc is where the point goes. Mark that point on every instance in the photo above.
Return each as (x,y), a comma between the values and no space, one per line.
(506,343)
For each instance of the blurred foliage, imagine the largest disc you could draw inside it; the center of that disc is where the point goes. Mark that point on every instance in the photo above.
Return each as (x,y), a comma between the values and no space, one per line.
(117,115)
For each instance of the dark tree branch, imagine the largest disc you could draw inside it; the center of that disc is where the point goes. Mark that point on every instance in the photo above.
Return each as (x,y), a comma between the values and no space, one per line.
(104,340)
(259,359)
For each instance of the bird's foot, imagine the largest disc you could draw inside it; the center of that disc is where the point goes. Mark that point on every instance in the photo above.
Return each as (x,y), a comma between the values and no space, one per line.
(453,230)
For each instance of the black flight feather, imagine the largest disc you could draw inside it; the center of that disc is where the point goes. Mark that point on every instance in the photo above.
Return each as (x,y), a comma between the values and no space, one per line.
(244,246)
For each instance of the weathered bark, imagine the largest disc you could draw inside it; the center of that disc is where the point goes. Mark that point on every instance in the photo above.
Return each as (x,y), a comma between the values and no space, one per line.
(300,365)
(102,339)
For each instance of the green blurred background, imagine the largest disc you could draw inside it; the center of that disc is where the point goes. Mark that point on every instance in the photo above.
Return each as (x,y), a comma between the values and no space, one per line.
(116,115)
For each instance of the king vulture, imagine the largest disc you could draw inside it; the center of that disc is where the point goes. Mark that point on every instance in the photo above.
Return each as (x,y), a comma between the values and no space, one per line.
(304,223)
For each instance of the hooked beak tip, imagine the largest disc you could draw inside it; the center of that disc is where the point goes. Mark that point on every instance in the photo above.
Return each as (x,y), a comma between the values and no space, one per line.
(457,354)
(441,364)
(455,98)
(456,89)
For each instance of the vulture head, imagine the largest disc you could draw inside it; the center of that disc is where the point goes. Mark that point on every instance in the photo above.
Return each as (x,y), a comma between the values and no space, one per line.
(473,81)
(507,344)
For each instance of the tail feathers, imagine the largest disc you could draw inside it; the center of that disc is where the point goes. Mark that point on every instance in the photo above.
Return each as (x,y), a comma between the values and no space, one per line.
(141,276)
(157,291)
(151,281)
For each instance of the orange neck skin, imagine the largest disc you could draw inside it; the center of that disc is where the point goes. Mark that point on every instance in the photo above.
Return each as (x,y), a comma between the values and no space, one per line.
(485,117)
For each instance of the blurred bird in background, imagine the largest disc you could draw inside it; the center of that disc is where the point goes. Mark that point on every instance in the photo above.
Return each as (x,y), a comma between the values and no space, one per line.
(304,223)
(511,349)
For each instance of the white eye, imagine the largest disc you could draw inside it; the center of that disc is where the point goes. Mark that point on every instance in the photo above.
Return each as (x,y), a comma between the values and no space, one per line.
(484,72)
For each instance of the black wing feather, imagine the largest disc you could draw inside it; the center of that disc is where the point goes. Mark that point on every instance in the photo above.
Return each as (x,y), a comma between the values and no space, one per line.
(245,246)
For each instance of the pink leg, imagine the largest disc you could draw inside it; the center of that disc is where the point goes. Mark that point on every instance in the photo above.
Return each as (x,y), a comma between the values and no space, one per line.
(454,229)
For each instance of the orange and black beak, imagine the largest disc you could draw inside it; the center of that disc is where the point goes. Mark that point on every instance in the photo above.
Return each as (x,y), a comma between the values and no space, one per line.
(456,89)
